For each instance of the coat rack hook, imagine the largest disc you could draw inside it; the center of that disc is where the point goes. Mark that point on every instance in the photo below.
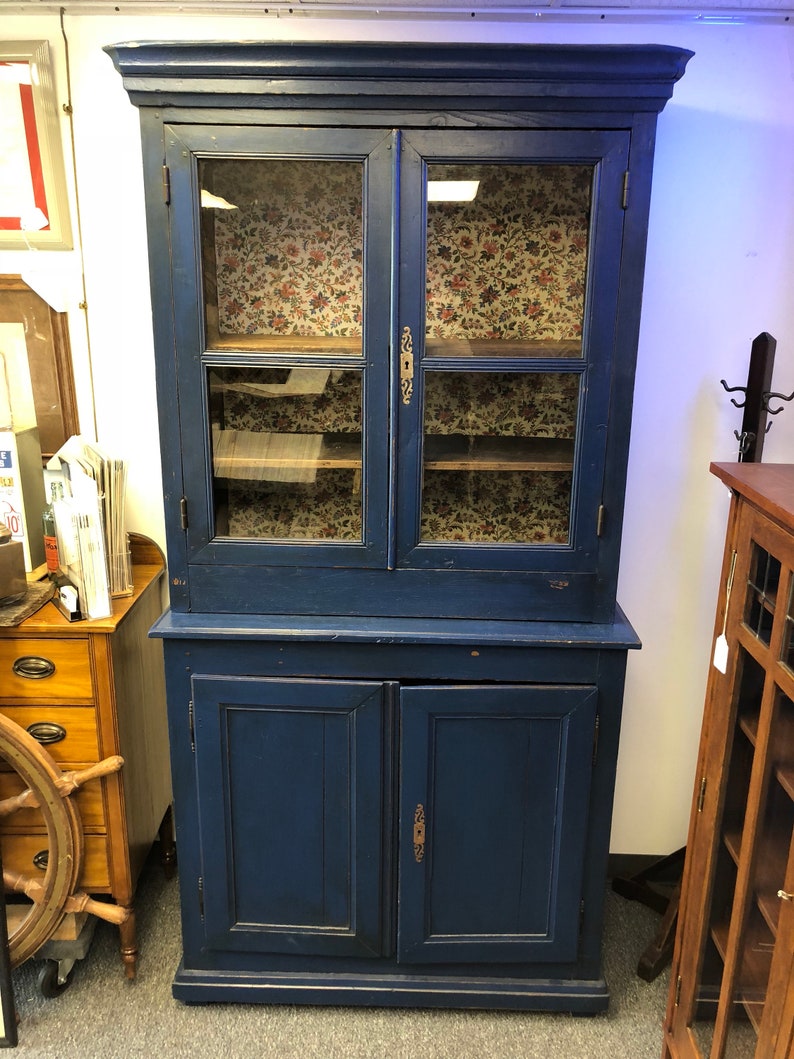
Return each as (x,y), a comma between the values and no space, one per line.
(734,389)
(745,440)
(767,397)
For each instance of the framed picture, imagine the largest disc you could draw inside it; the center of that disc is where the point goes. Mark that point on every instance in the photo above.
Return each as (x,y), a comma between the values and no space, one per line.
(34,210)
(34,342)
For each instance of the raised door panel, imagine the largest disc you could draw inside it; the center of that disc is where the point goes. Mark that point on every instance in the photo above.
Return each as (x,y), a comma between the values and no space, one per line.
(494,798)
(290,814)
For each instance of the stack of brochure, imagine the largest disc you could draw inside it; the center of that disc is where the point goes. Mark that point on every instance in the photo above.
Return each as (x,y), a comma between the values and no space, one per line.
(93,546)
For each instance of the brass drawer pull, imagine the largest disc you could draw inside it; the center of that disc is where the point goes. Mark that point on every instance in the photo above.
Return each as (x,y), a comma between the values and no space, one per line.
(46,732)
(41,859)
(33,667)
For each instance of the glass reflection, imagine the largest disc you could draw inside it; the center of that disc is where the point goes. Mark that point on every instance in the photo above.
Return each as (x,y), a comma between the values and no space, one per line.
(286,453)
(506,270)
(498,456)
(282,253)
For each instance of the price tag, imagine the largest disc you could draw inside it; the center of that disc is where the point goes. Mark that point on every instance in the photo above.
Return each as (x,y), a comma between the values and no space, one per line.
(720,659)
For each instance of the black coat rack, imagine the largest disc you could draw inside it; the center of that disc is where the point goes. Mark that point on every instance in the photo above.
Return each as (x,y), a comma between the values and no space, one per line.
(757,395)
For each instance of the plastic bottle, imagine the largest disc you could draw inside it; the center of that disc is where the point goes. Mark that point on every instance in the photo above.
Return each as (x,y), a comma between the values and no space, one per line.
(50,536)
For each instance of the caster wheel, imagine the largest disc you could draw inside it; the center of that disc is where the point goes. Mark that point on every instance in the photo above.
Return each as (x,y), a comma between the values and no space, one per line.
(49,984)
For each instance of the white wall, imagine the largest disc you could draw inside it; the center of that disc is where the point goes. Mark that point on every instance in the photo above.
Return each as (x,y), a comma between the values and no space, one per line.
(720,269)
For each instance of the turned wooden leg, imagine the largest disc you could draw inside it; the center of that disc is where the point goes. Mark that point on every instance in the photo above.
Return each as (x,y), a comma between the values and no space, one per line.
(129,947)
(167,844)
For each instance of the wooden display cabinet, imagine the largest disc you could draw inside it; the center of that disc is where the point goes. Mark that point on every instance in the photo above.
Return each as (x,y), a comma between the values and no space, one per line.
(732,985)
(89,690)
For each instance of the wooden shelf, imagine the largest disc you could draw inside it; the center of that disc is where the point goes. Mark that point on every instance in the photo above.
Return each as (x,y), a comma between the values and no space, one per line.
(753,976)
(352,346)
(250,454)
(289,345)
(245,453)
(454,452)
(503,348)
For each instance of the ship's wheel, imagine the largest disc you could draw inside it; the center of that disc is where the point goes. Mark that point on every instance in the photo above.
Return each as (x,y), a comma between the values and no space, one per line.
(51,896)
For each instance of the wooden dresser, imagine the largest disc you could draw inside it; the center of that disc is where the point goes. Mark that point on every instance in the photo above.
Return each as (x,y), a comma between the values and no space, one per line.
(88,690)
(732,982)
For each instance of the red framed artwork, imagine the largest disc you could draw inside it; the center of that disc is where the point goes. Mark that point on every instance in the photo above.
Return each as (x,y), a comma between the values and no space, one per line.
(33,206)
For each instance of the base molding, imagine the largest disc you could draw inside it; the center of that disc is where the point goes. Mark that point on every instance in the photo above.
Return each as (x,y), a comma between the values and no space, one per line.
(268,987)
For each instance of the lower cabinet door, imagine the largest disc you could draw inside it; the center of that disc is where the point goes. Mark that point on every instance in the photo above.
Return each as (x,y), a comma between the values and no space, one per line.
(494,795)
(290,814)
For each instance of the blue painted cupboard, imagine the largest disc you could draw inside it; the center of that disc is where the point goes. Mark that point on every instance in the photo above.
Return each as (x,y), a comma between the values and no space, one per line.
(396,298)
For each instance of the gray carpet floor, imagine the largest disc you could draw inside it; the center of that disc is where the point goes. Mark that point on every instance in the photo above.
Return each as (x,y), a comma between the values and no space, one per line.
(100,1015)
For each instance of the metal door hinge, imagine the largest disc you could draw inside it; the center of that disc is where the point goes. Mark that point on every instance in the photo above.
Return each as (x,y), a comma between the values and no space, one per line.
(600,520)
(702,794)
(183,512)
(625,198)
(596,732)
(201,896)
(678,982)
(581,918)
(166,185)
(191,726)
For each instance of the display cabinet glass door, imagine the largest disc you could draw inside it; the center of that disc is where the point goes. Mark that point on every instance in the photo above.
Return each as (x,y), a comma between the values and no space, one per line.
(294,341)
(446,434)
(753,857)
(499,369)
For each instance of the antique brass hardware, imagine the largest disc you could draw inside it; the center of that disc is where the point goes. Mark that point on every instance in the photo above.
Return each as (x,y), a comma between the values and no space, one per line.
(46,732)
(419,833)
(406,365)
(785,896)
(33,667)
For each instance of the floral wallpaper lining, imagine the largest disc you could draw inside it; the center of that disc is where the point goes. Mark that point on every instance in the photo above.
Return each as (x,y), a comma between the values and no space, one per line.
(509,265)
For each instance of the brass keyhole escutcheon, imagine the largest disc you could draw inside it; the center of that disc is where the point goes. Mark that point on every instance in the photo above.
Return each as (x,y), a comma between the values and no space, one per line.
(419,833)
(406,365)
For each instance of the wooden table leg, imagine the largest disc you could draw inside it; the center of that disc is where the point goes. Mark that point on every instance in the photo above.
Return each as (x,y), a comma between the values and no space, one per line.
(129,947)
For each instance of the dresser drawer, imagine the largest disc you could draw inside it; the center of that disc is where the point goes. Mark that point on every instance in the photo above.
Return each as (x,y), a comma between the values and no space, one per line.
(45,670)
(80,740)
(87,799)
(18,852)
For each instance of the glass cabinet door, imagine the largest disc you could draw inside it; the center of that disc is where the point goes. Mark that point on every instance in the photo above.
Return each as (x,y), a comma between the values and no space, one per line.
(499,372)
(753,855)
(405,338)
(293,347)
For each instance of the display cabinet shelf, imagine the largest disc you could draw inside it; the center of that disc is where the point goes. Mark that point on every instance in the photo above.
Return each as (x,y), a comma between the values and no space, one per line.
(456,453)
(286,345)
(503,348)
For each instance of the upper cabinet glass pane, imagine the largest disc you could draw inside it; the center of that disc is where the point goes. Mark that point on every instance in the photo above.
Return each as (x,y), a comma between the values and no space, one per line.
(507,249)
(498,456)
(286,453)
(282,254)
